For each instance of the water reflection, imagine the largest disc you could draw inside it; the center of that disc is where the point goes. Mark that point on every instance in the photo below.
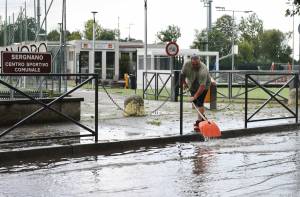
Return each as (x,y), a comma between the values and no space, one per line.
(202,160)
(262,165)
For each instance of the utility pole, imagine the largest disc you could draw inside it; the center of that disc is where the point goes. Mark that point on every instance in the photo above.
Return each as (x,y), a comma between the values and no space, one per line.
(129,26)
(207,4)
(119,28)
(232,46)
(92,70)
(8,31)
(145,44)
(26,25)
(46,19)
(38,17)
(64,41)
(13,26)
(34,10)
(5,25)
(21,25)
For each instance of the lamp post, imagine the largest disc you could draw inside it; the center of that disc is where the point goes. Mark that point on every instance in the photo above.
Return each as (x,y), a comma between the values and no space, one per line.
(129,26)
(92,70)
(291,4)
(208,4)
(222,9)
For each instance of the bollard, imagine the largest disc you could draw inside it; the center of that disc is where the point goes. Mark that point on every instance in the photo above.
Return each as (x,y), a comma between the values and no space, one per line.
(175,86)
(213,97)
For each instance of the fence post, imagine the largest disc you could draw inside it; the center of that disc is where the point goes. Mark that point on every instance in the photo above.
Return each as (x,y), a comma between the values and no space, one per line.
(181,103)
(297,86)
(246,100)
(156,86)
(213,97)
(230,85)
(143,85)
(96,107)
(10,90)
(175,86)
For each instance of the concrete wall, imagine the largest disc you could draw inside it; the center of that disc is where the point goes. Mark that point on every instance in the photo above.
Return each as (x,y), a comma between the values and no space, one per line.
(14,110)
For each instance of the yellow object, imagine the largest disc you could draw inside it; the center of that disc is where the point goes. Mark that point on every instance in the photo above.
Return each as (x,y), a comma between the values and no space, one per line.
(207,97)
(126,79)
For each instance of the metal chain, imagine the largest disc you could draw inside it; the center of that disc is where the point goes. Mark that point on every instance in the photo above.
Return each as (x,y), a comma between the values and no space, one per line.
(122,109)
(114,102)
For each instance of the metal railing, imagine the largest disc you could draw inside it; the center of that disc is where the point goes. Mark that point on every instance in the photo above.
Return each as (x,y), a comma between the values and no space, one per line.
(236,79)
(147,83)
(90,78)
(272,96)
(164,83)
(159,83)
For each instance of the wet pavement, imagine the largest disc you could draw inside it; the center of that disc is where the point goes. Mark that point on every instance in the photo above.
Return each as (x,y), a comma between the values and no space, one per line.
(113,126)
(260,165)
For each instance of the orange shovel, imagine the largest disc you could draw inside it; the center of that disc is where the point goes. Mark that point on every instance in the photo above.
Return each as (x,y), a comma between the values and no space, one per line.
(207,127)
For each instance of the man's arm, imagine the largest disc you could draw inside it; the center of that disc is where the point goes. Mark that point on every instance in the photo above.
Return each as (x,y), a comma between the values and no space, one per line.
(183,81)
(213,81)
(199,91)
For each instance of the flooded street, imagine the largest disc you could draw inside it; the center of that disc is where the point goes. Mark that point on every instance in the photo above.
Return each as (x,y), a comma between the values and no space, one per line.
(261,165)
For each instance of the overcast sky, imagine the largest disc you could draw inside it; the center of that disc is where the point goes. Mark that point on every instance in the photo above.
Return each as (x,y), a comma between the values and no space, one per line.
(188,15)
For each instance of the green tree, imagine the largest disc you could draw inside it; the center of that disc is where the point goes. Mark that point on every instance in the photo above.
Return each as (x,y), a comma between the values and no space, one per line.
(227,26)
(296,10)
(172,33)
(88,30)
(274,47)
(16,32)
(75,35)
(108,34)
(53,35)
(246,53)
(219,38)
(250,28)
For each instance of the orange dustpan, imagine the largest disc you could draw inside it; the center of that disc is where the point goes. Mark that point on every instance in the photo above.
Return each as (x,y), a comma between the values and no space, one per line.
(207,127)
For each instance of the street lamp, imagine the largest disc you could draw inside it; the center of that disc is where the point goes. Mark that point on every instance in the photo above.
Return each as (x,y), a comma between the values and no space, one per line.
(291,4)
(129,31)
(93,52)
(222,9)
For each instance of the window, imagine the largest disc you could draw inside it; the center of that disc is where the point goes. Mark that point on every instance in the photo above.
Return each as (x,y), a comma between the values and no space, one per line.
(71,56)
(141,62)
(110,65)
(162,62)
(98,63)
(84,62)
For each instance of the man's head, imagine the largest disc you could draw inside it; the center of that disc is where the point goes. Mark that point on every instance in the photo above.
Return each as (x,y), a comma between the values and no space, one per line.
(195,60)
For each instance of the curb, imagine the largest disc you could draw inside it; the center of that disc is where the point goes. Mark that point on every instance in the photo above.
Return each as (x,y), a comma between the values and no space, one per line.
(76,150)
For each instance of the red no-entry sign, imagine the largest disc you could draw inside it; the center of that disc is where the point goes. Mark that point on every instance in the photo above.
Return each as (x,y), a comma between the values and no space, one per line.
(172,48)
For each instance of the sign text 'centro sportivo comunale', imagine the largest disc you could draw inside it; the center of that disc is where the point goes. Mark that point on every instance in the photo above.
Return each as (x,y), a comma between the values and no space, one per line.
(20,62)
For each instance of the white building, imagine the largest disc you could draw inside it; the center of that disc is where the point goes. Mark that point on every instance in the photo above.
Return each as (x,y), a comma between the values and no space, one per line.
(159,62)
(114,58)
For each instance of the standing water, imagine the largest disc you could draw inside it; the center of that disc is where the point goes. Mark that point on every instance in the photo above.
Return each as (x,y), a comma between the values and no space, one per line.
(261,165)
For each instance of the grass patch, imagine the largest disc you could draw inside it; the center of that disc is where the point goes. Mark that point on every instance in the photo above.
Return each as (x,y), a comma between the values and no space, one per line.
(155,122)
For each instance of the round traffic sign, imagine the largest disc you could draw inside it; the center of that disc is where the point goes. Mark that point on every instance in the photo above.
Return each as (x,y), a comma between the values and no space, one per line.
(172,49)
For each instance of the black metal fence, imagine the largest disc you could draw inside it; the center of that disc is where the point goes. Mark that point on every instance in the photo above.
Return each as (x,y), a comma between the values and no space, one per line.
(250,77)
(154,83)
(233,80)
(263,81)
(93,78)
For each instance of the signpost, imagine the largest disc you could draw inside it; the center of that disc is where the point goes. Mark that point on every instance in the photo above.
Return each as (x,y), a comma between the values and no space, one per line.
(19,62)
(172,49)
